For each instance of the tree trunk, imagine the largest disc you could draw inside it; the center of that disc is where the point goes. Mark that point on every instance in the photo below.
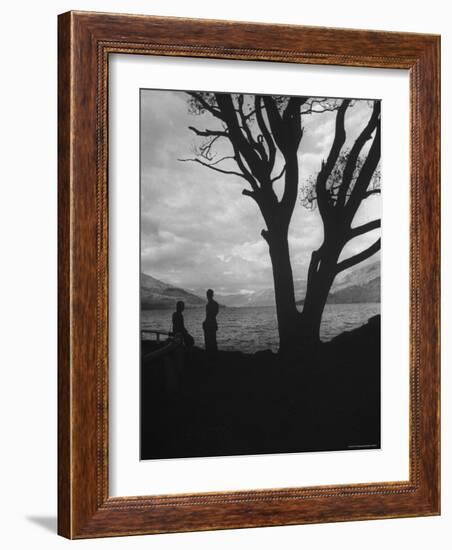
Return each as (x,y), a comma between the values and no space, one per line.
(286,310)
(322,271)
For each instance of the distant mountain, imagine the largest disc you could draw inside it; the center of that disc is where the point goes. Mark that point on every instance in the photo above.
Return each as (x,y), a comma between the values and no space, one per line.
(156,294)
(357,294)
(260,298)
(360,285)
(358,277)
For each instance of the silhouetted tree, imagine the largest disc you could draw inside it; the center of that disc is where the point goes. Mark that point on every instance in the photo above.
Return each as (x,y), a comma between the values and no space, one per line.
(264,133)
(344,181)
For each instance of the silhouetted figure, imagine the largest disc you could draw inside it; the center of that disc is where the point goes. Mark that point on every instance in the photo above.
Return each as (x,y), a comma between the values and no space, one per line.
(179,329)
(210,326)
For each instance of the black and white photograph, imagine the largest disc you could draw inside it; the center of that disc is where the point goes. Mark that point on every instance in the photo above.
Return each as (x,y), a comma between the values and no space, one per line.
(225,233)
(260,273)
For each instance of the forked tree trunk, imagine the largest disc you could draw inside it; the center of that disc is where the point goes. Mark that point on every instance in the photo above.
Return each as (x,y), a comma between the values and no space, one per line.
(286,311)
(321,274)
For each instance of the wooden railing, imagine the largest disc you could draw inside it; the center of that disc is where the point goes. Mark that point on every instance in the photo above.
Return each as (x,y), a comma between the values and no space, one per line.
(170,344)
(157,333)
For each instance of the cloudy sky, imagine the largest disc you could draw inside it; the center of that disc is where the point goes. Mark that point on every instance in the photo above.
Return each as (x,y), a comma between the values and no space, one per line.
(197,229)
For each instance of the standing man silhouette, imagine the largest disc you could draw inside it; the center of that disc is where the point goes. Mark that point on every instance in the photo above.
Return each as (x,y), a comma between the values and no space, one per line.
(210,326)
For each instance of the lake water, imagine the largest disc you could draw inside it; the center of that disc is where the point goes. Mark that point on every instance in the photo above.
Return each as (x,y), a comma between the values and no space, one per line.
(250,329)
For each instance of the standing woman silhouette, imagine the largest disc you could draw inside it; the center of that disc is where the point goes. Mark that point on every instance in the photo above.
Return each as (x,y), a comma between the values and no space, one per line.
(179,329)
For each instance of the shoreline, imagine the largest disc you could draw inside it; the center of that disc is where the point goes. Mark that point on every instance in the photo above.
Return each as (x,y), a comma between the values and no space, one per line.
(191,307)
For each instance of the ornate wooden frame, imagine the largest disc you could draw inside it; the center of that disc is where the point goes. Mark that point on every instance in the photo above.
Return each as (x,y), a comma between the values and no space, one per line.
(85,42)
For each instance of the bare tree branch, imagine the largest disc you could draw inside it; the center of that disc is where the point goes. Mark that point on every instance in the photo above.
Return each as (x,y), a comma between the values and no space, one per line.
(357,258)
(365,228)
(371,192)
(311,110)
(249,193)
(246,173)
(205,149)
(240,143)
(327,167)
(323,104)
(339,140)
(280,175)
(275,120)
(292,110)
(365,175)
(265,132)
(247,130)
(220,160)
(292,120)
(198,97)
(212,167)
(207,133)
(248,115)
(355,152)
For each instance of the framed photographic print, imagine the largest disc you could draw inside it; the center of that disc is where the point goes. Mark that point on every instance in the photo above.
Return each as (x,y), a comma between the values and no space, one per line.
(248,275)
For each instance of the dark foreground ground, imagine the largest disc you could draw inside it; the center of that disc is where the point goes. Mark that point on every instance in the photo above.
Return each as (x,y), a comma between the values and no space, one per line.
(253,404)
